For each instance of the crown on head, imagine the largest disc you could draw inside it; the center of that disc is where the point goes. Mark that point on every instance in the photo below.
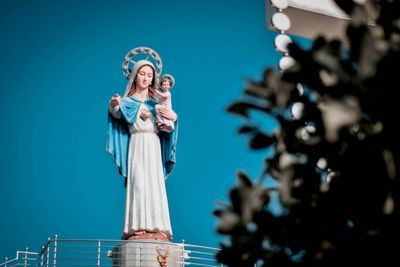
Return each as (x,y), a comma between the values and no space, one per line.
(140,53)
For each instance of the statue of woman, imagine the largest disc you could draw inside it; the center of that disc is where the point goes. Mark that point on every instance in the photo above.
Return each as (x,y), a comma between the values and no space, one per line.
(144,155)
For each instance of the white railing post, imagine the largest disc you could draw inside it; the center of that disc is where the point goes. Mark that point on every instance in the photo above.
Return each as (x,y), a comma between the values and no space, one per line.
(98,252)
(5,261)
(183,252)
(48,252)
(55,251)
(26,257)
(141,254)
(42,256)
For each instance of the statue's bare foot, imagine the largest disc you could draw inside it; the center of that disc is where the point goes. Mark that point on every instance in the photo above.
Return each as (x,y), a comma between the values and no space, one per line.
(141,232)
(164,235)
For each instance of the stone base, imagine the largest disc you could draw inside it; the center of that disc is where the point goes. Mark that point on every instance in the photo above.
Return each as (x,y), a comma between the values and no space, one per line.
(146,253)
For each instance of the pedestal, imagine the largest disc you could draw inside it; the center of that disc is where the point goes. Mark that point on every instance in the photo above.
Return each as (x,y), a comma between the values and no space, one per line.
(145,253)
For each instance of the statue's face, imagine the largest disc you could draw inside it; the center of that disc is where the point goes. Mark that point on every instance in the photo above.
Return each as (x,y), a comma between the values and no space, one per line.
(165,85)
(144,77)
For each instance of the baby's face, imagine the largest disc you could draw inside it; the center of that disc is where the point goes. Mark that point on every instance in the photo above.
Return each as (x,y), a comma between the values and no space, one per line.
(165,85)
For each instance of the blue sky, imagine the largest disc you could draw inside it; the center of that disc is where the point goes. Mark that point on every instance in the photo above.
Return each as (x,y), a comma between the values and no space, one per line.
(61,62)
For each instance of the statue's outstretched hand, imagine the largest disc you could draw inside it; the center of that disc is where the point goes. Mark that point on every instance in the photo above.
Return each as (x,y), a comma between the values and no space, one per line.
(115,100)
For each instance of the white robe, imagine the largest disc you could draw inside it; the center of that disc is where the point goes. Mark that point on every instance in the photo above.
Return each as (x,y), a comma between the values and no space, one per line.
(146,198)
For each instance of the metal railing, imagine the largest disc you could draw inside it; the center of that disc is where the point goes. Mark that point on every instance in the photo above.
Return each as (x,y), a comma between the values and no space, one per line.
(115,253)
(22,258)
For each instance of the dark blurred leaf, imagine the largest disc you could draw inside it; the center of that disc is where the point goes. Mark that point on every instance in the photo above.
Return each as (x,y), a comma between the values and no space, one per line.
(229,222)
(346,5)
(246,129)
(260,141)
(244,180)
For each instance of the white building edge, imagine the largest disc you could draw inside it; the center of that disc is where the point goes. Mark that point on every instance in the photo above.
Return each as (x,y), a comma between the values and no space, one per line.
(310,18)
